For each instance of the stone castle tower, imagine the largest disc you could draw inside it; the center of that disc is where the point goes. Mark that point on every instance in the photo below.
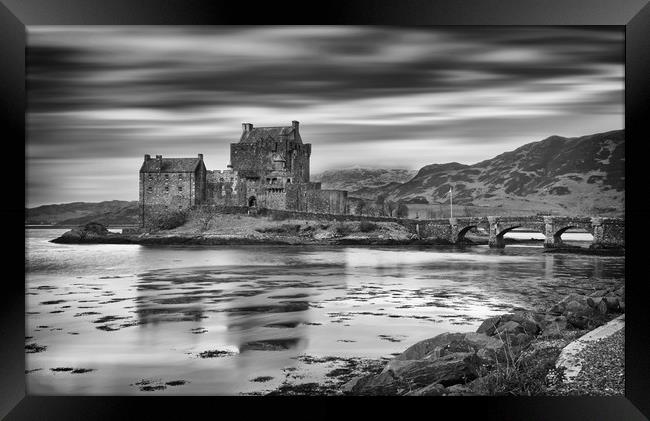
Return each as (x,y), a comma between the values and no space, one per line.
(269,168)
(273,153)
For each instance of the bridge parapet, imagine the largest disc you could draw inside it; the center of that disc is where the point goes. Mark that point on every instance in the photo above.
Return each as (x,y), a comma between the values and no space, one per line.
(607,232)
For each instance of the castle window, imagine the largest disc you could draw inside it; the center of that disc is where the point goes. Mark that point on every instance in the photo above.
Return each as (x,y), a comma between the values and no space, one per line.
(167,188)
(149,189)
(180,188)
(166,176)
(150,177)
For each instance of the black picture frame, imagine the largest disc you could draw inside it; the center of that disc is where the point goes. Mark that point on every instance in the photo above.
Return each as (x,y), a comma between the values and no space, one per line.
(15,15)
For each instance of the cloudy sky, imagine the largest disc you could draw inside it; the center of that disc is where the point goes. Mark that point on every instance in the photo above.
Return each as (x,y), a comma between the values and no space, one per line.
(99,98)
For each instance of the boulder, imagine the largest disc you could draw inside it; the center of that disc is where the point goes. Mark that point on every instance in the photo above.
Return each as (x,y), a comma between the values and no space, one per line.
(612,303)
(531,322)
(598,293)
(577,307)
(459,367)
(489,325)
(423,348)
(577,320)
(510,328)
(554,327)
(576,302)
(521,339)
(435,389)
(594,301)
(350,384)
(602,307)
(380,384)
(459,390)
(620,292)
(445,344)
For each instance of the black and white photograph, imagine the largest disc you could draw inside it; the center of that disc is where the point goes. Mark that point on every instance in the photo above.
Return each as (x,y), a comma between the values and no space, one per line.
(325,210)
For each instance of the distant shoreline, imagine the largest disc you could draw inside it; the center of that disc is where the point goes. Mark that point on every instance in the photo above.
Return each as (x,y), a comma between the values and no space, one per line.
(27,226)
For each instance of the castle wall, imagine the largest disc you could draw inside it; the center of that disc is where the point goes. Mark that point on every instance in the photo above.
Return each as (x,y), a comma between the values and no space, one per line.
(273,200)
(327,201)
(225,188)
(251,159)
(200,191)
(165,192)
(255,160)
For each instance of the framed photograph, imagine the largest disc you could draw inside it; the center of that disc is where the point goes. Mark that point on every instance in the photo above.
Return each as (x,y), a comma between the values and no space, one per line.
(404,203)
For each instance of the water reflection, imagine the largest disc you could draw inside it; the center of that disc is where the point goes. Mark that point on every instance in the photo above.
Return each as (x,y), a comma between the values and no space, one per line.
(150,313)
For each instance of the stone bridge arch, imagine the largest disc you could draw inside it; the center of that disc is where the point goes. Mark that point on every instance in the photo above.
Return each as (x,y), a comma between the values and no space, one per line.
(461,226)
(499,226)
(556,226)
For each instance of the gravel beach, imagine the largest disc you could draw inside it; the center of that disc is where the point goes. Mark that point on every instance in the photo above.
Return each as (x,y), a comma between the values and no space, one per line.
(603,370)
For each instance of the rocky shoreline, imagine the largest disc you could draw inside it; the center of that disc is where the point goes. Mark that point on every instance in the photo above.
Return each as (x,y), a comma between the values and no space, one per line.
(94,233)
(514,354)
(282,234)
(510,354)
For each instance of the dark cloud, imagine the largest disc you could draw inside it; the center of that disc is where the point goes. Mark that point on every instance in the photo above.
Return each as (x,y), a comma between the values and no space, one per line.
(118,92)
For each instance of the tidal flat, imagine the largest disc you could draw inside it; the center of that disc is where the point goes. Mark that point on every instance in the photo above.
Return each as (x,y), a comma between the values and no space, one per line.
(229,320)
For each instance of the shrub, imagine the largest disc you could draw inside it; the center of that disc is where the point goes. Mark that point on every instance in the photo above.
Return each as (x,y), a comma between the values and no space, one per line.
(282,229)
(203,216)
(342,229)
(170,220)
(277,216)
(521,373)
(367,226)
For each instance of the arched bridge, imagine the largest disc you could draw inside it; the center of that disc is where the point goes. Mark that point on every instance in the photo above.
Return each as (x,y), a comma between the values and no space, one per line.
(607,232)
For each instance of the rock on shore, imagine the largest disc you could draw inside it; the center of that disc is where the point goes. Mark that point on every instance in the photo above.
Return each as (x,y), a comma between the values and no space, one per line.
(512,353)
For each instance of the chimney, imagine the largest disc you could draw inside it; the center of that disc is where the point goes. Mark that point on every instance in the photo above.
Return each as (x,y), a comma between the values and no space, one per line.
(201,156)
(247,127)
(295,124)
(147,157)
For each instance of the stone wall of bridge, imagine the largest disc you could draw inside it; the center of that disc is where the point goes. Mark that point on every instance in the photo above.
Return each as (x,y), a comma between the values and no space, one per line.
(607,232)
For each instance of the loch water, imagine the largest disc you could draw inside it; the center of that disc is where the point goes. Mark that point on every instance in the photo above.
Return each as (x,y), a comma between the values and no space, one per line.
(130,319)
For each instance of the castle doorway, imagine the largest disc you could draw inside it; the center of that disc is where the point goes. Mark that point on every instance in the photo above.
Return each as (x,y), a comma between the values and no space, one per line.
(252,202)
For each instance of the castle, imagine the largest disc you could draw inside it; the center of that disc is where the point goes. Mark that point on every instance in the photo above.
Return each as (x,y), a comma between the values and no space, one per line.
(269,168)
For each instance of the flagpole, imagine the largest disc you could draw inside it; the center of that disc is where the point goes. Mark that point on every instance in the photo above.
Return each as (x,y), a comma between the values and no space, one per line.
(451,202)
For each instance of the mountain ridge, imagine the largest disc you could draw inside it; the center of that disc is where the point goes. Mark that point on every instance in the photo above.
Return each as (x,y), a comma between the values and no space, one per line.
(568,175)
(583,174)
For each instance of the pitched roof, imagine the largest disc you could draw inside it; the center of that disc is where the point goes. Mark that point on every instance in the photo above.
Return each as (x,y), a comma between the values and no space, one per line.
(275,133)
(170,165)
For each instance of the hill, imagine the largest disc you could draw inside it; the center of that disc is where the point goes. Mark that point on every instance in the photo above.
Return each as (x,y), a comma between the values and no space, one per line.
(114,212)
(580,175)
(353,179)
